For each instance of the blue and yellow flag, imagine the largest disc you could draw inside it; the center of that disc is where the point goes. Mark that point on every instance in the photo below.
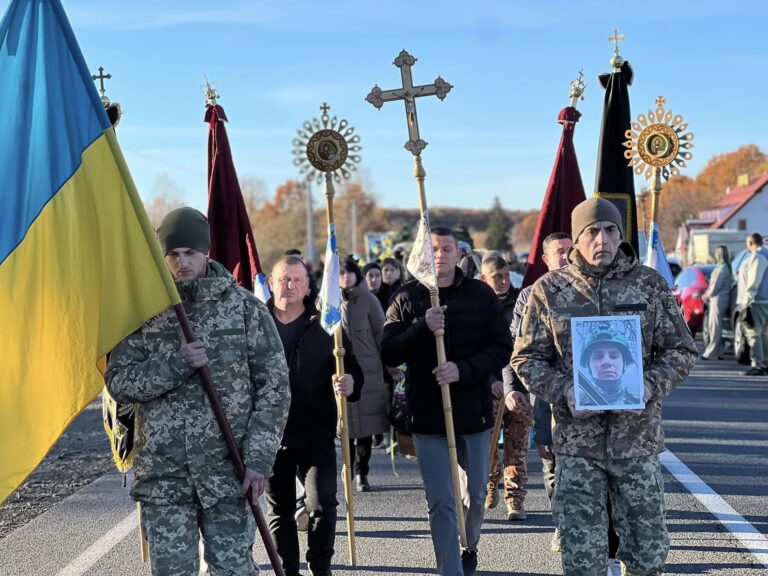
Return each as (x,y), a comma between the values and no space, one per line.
(80,266)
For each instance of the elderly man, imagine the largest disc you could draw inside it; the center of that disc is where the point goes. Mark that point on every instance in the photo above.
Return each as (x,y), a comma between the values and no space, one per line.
(307,447)
(494,271)
(605,452)
(184,477)
(478,344)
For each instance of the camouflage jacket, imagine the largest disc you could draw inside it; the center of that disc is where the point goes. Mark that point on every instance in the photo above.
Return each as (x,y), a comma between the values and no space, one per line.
(180,450)
(543,356)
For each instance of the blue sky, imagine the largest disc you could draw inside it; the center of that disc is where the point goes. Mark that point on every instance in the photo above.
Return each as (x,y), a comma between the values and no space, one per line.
(496,133)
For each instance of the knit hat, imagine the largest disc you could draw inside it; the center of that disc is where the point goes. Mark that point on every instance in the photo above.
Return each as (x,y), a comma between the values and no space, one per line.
(371,266)
(594,210)
(184,228)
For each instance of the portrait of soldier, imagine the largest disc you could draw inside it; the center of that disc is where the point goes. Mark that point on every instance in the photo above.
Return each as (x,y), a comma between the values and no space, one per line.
(604,361)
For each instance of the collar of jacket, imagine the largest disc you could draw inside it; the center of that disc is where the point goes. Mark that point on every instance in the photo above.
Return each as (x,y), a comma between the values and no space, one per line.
(356,290)
(624,262)
(216,281)
(310,310)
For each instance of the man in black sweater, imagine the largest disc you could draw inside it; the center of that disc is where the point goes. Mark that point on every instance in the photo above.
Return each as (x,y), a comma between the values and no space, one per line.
(478,344)
(308,440)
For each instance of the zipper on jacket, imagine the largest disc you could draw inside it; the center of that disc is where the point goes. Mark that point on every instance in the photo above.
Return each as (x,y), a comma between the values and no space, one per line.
(600,297)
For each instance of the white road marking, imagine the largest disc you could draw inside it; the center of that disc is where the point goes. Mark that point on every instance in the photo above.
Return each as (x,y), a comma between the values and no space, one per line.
(101,547)
(742,530)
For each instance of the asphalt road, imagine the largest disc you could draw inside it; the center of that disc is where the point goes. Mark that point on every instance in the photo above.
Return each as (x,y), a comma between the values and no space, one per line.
(716,425)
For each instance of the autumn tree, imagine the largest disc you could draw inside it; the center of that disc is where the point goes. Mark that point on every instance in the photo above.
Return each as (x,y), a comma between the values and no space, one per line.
(279,223)
(523,232)
(159,206)
(684,197)
(497,236)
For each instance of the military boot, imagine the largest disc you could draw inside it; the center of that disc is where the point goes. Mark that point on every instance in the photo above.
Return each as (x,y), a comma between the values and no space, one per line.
(491,496)
(516,510)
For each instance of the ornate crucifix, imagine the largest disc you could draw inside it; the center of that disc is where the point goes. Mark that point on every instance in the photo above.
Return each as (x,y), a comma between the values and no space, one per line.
(101,77)
(615,39)
(422,259)
(408,93)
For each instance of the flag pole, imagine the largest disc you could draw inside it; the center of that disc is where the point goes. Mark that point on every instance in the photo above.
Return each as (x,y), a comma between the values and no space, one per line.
(494,449)
(655,195)
(420,174)
(341,402)
(229,439)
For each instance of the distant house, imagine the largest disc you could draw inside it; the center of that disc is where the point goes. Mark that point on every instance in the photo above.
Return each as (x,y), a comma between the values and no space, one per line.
(744,208)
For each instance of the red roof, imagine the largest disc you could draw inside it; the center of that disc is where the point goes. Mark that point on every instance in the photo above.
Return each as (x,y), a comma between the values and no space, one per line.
(738,197)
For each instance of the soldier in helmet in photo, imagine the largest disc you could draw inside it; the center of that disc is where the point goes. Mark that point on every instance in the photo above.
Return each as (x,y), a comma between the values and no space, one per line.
(606,357)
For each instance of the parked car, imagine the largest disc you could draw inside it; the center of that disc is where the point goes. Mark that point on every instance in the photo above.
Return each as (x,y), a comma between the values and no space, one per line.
(689,287)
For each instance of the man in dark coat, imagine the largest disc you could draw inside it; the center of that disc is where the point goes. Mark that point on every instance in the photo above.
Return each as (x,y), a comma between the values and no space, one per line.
(478,344)
(307,447)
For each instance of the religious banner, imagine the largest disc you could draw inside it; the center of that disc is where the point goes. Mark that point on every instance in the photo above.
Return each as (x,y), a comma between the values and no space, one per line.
(565,190)
(421,262)
(615,181)
(607,363)
(232,240)
(330,292)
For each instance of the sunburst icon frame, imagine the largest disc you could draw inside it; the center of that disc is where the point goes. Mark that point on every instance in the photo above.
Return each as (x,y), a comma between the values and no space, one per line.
(658,140)
(326,145)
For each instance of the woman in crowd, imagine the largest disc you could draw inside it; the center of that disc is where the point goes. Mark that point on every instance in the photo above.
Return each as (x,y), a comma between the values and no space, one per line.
(363,321)
(392,275)
(718,295)
(372,273)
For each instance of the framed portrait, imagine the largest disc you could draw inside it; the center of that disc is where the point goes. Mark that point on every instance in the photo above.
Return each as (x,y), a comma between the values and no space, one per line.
(607,362)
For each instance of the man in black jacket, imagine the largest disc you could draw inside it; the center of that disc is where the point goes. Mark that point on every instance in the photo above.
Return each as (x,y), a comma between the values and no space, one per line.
(307,446)
(478,344)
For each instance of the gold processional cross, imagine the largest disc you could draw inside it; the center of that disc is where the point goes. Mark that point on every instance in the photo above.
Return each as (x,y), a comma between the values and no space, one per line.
(615,39)
(408,93)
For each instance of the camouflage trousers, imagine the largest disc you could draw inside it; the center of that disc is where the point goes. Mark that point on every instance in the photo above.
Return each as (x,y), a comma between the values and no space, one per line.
(579,505)
(515,458)
(174,532)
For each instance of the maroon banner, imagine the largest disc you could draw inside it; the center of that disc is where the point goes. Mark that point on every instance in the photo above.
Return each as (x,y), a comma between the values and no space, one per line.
(232,241)
(564,192)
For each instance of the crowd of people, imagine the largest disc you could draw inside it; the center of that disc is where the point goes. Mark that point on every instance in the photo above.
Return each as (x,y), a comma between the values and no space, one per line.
(508,356)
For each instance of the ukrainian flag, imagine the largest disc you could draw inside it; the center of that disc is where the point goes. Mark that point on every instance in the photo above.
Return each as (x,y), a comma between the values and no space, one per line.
(80,266)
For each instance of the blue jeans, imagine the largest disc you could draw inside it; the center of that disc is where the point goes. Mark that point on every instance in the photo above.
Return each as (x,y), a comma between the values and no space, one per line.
(434,464)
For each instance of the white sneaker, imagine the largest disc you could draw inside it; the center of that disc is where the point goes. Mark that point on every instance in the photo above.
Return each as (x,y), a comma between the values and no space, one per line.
(614,567)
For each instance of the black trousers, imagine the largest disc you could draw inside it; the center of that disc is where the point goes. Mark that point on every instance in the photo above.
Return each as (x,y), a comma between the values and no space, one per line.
(317,464)
(360,454)
(548,471)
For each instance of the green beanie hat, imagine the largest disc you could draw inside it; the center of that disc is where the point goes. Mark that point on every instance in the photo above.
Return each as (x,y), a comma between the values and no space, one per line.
(594,210)
(184,228)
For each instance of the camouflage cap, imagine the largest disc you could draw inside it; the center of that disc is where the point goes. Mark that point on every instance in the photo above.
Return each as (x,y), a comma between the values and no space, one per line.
(606,335)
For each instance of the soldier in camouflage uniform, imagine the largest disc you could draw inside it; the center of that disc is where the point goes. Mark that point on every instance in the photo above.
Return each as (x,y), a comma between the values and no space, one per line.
(184,477)
(605,452)
(515,424)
